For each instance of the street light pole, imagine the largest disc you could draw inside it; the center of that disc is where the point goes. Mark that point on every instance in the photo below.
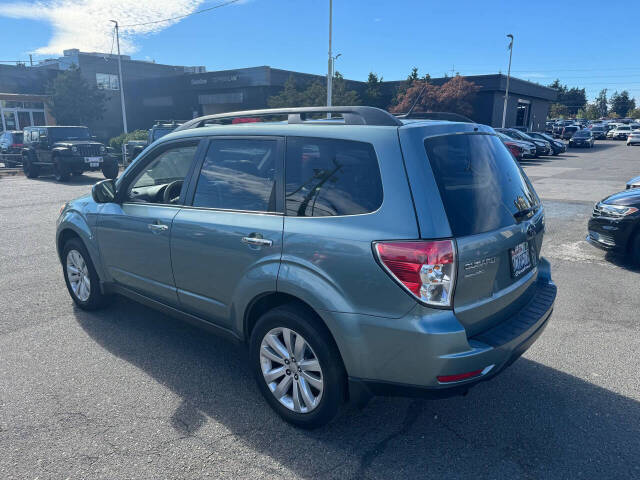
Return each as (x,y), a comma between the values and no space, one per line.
(124,110)
(506,96)
(330,66)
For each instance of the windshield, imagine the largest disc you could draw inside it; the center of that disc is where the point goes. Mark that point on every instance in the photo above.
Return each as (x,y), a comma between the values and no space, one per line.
(624,128)
(69,133)
(582,133)
(161,132)
(480,183)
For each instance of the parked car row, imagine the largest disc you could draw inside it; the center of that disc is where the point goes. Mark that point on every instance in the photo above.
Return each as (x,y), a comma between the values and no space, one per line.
(530,144)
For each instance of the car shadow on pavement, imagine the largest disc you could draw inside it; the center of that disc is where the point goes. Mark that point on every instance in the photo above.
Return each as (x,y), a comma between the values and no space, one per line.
(621,260)
(531,421)
(73,180)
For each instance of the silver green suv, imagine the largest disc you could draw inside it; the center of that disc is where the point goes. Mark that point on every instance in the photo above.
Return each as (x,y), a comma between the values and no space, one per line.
(355,256)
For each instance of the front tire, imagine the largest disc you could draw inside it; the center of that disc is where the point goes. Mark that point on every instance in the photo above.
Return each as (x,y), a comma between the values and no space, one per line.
(30,170)
(297,366)
(81,276)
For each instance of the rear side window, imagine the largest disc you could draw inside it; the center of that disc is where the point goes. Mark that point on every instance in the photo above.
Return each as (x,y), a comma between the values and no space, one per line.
(480,184)
(328,177)
(239,175)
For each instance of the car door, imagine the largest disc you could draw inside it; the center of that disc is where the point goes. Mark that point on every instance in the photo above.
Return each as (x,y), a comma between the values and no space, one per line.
(227,242)
(43,144)
(134,233)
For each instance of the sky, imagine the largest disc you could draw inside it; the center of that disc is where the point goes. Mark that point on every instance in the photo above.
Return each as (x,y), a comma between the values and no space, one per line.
(584,44)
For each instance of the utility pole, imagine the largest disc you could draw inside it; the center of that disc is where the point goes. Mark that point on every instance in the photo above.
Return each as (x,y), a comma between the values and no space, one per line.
(124,111)
(506,96)
(330,67)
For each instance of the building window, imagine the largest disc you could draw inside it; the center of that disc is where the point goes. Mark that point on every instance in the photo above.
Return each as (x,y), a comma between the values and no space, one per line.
(107,81)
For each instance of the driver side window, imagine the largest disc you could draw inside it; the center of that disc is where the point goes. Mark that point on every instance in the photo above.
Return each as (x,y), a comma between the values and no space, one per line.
(162,178)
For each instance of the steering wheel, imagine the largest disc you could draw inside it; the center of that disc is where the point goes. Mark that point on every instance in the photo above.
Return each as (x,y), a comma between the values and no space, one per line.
(172,192)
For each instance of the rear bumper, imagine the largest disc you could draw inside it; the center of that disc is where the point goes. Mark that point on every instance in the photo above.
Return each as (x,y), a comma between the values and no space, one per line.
(405,356)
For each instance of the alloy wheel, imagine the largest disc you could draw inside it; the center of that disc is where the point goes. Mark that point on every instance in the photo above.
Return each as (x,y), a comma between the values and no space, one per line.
(291,370)
(78,275)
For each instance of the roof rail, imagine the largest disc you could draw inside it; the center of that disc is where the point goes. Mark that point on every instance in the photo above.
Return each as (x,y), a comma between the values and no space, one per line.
(452,117)
(352,116)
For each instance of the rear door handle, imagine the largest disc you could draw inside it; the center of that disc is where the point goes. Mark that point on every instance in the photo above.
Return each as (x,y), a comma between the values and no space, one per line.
(158,227)
(257,241)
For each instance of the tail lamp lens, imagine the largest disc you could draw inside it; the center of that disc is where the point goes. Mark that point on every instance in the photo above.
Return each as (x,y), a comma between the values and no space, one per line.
(425,268)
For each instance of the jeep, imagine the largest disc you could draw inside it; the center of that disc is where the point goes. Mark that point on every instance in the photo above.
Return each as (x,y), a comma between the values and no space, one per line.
(354,256)
(65,151)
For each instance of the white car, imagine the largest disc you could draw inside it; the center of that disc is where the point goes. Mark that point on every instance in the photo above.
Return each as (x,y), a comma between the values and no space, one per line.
(633,138)
(621,132)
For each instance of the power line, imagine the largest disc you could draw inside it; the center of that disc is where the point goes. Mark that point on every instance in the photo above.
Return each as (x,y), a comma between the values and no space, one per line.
(181,16)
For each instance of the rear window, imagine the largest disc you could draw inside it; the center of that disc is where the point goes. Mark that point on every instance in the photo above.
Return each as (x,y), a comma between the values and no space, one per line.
(17,137)
(326,177)
(480,183)
(570,129)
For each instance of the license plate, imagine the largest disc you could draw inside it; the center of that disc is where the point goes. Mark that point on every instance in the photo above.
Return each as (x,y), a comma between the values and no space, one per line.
(520,259)
(92,160)
(94,164)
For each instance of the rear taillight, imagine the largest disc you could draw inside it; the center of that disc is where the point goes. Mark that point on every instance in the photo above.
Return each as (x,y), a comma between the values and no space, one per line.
(424,268)
(17,145)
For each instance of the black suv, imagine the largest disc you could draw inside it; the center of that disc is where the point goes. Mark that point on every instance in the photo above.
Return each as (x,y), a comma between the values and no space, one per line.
(66,151)
(10,147)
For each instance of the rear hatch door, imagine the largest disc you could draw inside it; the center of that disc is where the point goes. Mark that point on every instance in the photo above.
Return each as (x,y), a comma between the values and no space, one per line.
(497,221)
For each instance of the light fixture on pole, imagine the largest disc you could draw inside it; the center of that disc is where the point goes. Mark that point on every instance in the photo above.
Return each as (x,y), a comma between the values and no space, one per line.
(124,111)
(506,93)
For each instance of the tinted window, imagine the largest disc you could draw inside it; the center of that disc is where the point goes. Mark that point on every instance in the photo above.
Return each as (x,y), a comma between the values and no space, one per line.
(239,175)
(326,177)
(479,181)
(17,138)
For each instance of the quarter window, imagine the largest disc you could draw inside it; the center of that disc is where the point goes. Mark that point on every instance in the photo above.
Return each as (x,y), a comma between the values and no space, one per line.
(239,175)
(326,177)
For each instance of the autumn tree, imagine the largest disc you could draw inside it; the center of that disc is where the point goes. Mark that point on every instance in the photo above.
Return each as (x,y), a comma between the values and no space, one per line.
(455,96)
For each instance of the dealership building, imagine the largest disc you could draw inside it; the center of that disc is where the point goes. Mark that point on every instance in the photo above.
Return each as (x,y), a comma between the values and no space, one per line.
(154,91)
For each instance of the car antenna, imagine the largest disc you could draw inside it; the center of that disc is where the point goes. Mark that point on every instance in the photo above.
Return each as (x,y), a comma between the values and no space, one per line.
(415,102)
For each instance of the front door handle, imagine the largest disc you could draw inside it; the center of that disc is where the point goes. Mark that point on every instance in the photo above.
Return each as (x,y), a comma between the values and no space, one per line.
(158,227)
(257,241)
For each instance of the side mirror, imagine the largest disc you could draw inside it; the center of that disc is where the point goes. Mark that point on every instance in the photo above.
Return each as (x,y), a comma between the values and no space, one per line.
(104,191)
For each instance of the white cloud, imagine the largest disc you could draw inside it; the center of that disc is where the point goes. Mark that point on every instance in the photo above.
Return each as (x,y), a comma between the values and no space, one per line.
(85,24)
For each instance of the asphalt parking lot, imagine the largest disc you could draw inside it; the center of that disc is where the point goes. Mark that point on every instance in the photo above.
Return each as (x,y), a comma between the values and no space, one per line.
(130,393)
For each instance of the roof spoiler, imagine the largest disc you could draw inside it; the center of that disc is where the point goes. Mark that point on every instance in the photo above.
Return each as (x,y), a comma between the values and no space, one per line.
(357,115)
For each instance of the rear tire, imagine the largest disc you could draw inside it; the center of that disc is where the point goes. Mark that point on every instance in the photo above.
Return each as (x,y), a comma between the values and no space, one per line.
(81,276)
(30,170)
(318,346)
